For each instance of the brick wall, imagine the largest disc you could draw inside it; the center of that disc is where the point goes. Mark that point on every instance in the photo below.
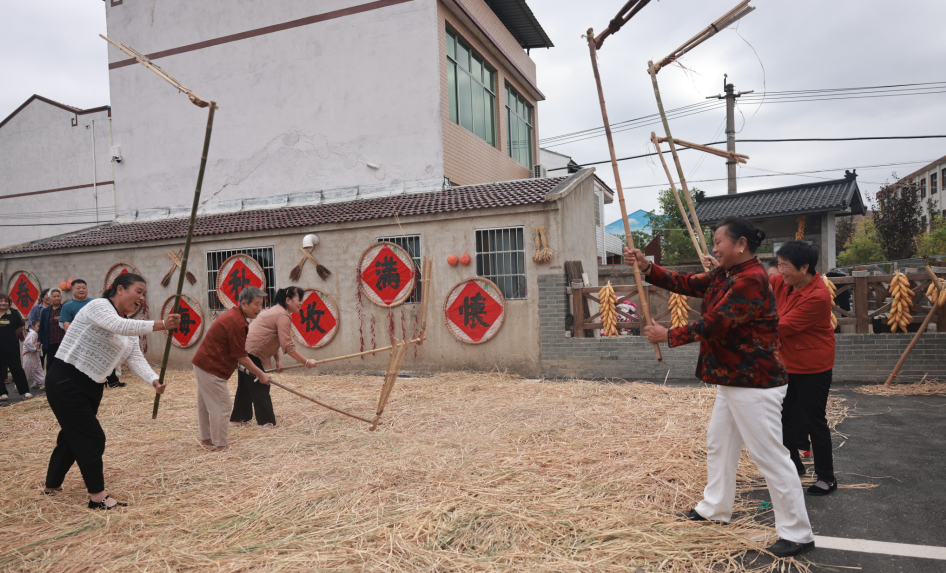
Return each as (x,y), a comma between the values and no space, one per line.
(860,357)
(468,160)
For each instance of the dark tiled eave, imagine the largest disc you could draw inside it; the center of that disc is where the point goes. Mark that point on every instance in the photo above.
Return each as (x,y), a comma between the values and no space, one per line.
(491,195)
(826,197)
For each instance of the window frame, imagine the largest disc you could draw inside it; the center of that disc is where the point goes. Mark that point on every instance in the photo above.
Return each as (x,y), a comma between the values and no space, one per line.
(417,258)
(454,69)
(505,281)
(269,271)
(934,180)
(530,122)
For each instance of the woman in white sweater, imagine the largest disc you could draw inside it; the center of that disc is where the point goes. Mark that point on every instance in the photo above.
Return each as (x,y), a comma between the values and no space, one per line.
(98,340)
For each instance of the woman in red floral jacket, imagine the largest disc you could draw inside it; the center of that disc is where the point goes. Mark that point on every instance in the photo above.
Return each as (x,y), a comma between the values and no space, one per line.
(739,352)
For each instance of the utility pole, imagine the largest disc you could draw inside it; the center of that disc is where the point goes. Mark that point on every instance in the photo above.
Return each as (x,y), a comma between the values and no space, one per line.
(730,98)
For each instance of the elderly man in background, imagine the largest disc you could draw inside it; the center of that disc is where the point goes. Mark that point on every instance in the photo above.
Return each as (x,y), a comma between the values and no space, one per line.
(80,298)
(223,348)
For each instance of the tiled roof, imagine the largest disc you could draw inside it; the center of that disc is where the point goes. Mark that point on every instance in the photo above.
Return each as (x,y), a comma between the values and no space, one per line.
(68,108)
(829,196)
(520,192)
(918,172)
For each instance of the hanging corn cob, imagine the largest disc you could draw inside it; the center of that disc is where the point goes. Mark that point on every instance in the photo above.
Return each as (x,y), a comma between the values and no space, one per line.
(678,310)
(937,297)
(833,290)
(800,233)
(609,312)
(902,301)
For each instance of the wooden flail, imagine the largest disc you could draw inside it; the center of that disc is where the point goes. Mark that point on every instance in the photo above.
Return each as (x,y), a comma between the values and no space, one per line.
(624,14)
(732,156)
(398,354)
(725,20)
(143,60)
(673,188)
(645,306)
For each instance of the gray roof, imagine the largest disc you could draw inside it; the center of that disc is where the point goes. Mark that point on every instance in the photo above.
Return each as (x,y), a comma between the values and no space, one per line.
(521,23)
(825,197)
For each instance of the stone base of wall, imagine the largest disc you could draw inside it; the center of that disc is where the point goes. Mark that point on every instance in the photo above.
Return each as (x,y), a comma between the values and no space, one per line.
(860,357)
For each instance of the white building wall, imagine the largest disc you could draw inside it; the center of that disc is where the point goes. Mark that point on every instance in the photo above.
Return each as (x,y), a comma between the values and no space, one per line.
(44,147)
(301,110)
(925,179)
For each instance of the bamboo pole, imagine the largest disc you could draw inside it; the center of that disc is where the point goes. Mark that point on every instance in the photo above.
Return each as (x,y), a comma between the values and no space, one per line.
(323,404)
(187,250)
(676,160)
(722,22)
(919,332)
(143,60)
(645,304)
(346,357)
(394,368)
(615,24)
(734,157)
(683,213)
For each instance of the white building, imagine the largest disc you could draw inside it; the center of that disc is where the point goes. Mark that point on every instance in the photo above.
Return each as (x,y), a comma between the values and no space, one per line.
(318,102)
(930,181)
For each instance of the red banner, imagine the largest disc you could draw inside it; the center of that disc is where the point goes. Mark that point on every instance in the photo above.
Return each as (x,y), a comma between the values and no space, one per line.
(192,321)
(475,310)
(316,322)
(23,287)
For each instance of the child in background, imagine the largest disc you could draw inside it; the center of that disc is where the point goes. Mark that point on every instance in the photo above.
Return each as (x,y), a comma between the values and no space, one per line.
(32,360)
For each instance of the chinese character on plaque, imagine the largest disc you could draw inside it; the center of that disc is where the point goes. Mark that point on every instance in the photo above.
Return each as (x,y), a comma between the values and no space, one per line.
(475,310)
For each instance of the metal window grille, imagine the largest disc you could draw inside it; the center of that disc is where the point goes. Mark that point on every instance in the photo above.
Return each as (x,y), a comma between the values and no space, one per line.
(265,256)
(411,244)
(501,258)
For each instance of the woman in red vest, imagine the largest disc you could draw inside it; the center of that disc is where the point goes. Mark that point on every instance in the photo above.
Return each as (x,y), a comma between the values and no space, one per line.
(807,337)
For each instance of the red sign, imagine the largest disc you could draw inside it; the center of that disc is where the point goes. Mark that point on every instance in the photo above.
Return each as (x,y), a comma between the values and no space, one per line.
(387,275)
(316,322)
(192,321)
(475,310)
(235,274)
(24,290)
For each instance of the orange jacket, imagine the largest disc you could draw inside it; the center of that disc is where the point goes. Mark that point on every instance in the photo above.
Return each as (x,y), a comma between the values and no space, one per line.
(804,325)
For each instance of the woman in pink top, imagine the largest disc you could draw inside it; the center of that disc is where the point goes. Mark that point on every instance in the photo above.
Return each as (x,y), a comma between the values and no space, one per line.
(269,332)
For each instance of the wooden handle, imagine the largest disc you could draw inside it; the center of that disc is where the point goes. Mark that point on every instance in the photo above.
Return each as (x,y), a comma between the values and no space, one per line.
(308,254)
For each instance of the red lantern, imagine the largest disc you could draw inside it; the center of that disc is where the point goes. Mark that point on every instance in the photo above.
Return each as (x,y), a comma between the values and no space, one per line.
(452,260)
(465,259)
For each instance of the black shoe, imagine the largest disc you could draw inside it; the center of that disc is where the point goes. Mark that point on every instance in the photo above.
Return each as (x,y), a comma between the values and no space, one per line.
(692,515)
(786,548)
(815,490)
(101,504)
(802,472)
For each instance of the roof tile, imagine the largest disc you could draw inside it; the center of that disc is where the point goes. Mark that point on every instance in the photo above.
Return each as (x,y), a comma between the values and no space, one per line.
(836,195)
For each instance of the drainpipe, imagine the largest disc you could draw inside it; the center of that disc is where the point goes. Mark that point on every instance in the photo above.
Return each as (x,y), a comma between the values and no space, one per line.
(110,144)
(95,190)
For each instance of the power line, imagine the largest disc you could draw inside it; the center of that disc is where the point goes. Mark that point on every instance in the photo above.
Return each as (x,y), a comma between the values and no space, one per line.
(765,141)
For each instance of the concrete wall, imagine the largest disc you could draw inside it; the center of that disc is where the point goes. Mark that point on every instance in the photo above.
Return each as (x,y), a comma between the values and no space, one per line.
(467,158)
(301,109)
(860,357)
(515,348)
(45,147)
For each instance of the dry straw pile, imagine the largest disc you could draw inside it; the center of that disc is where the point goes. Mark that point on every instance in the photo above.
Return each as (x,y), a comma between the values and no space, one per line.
(469,472)
(922,388)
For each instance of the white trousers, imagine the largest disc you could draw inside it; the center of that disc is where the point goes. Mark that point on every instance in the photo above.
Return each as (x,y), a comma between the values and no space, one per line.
(213,407)
(752,416)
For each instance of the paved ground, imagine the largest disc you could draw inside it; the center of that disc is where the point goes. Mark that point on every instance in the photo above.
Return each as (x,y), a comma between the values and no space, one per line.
(897,442)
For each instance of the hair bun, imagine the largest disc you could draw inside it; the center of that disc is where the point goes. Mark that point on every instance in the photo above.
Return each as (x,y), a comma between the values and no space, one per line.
(760,233)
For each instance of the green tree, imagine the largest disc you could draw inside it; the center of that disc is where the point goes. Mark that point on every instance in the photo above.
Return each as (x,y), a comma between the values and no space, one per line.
(843,231)
(863,246)
(934,241)
(897,219)
(675,242)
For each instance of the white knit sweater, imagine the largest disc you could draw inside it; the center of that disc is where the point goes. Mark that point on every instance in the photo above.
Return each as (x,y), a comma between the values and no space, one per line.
(99,340)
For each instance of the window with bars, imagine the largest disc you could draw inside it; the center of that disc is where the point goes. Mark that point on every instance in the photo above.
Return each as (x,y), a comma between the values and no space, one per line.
(923,188)
(265,256)
(519,126)
(933,183)
(501,258)
(472,96)
(411,244)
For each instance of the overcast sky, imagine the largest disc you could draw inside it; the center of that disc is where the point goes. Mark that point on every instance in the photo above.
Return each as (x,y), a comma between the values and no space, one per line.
(52,48)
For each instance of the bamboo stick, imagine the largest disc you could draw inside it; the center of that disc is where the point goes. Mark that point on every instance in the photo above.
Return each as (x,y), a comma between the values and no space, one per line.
(720,23)
(919,332)
(346,357)
(323,404)
(683,213)
(394,368)
(676,160)
(735,157)
(615,24)
(187,250)
(143,60)
(645,304)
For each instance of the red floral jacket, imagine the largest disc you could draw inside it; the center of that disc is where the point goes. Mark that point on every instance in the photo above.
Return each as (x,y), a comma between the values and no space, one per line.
(738,326)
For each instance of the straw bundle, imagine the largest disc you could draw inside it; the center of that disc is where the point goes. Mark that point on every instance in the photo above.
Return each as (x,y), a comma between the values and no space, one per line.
(296,272)
(800,233)
(469,472)
(725,20)
(902,295)
(175,263)
(543,254)
(922,388)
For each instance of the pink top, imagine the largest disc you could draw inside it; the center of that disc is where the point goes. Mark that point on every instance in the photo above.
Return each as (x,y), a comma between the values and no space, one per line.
(269,331)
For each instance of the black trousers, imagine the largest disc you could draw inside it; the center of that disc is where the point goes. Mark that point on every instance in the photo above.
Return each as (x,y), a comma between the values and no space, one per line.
(48,353)
(809,393)
(10,358)
(252,395)
(800,428)
(74,399)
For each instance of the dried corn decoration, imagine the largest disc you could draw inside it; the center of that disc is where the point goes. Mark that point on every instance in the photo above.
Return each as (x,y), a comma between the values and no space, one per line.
(609,310)
(833,290)
(937,297)
(678,310)
(800,233)
(902,301)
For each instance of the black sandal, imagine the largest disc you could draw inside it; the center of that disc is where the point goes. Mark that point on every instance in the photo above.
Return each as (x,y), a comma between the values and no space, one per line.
(101,504)
(53,491)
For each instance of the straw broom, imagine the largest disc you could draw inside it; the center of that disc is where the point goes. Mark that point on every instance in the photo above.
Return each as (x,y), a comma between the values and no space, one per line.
(296,271)
(176,262)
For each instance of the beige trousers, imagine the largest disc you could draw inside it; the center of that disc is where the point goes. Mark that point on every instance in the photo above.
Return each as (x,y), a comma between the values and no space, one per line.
(213,407)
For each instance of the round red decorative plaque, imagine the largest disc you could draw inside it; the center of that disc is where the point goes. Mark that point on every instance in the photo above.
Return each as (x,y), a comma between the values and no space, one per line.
(386,273)
(316,323)
(23,287)
(192,321)
(474,310)
(235,274)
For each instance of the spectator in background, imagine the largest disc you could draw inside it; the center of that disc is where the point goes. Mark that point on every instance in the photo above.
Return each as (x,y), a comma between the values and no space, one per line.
(80,298)
(11,333)
(32,365)
(37,312)
(772,267)
(50,333)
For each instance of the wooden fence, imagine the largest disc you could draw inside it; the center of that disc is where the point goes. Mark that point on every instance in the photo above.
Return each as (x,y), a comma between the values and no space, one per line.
(869,296)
